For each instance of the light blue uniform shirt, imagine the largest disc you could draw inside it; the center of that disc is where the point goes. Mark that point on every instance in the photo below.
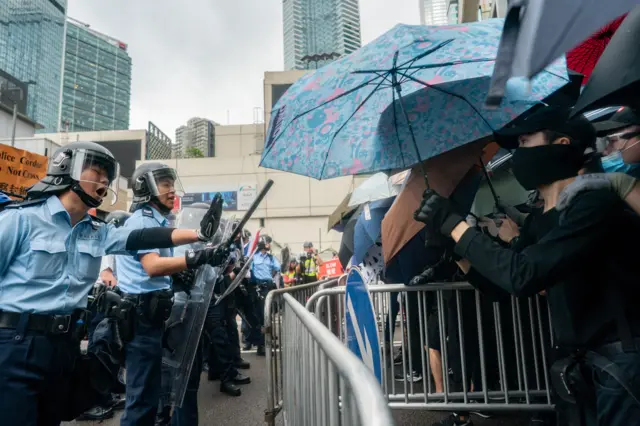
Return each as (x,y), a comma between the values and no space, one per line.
(47,265)
(264,266)
(132,278)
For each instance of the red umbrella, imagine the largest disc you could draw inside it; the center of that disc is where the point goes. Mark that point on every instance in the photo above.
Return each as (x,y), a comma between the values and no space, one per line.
(583,58)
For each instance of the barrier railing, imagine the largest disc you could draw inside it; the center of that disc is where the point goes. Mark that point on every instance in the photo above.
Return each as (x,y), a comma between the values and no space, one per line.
(324,383)
(275,339)
(458,350)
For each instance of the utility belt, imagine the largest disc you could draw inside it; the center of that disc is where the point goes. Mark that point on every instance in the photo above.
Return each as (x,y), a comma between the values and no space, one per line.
(154,306)
(572,376)
(73,325)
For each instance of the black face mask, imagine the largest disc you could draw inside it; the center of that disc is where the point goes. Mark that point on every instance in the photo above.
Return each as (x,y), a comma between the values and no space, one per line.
(543,165)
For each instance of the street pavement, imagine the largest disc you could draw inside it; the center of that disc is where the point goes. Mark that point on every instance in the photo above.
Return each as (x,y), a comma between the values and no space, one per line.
(248,409)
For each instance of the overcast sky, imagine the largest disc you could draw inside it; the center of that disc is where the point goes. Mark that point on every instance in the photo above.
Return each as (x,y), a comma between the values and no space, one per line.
(206,57)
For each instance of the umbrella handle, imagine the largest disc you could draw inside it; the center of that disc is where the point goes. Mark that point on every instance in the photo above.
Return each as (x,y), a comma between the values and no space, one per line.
(491,187)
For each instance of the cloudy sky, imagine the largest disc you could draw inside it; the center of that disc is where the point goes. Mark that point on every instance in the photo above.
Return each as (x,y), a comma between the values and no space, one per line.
(208,57)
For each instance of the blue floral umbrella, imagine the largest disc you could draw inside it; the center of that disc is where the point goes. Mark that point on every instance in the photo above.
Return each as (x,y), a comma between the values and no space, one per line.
(411,94)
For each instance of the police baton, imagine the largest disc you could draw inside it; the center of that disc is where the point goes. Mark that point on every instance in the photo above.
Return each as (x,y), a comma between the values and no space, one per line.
(250,212)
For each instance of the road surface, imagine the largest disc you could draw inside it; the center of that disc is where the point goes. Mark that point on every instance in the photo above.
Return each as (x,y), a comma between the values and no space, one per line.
(248,409)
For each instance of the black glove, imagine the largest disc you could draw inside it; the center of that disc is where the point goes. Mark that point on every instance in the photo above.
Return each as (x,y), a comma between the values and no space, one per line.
(211,220)
(184,281)
(207,256)
(437,213)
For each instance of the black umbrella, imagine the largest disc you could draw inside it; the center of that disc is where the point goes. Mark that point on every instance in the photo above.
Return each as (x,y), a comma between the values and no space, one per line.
(346,245)
(615,80)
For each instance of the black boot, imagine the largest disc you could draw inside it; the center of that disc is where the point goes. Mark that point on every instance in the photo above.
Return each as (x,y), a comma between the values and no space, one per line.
(247,347)
(241,379)
(213,376)
(230,389)
(97,413)
(242,364)
(260,351)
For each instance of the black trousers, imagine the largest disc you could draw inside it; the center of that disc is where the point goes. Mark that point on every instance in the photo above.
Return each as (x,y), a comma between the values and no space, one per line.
(224,345)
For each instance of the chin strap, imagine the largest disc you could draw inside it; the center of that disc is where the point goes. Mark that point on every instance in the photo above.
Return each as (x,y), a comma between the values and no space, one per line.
(164,210)
(86,198)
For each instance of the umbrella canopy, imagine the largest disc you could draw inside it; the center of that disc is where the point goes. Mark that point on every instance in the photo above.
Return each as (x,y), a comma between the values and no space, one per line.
(342,211)
(446,171)
(377,187)
(584,57)
(346,244)
(538,32)
(616,78)
(395,102)
(368,227)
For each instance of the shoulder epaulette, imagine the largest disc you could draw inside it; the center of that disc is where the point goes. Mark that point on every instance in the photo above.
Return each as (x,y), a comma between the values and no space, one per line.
(26,203)
(147,212)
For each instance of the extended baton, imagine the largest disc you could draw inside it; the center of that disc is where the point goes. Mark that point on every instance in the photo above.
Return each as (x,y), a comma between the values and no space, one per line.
(250,212)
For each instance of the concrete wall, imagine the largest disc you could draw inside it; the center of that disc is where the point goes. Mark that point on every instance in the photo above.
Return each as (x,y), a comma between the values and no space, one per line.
(238,140)
(101,136)
(276,78)
(23,128)
(295,210)
(37,144)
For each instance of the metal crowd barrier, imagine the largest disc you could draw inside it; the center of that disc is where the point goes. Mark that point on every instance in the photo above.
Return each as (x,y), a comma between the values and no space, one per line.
(276,339)
(324,383)
(494,354)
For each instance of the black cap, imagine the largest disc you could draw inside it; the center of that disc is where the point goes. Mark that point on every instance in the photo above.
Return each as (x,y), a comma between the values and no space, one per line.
(554,118)
(624,117)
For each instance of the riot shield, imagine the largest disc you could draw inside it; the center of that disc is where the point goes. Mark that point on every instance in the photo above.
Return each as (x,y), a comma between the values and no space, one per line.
(184,327)
(237,280)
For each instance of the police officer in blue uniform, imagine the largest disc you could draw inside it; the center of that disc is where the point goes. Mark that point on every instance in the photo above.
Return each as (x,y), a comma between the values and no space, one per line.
(51,254)
(264,267)
(145,280)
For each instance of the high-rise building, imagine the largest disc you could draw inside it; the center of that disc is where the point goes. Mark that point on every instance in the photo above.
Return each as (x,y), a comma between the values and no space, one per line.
(433,12)
(96,90)
(317,32)
(158,144)
(199,134)
(32,36)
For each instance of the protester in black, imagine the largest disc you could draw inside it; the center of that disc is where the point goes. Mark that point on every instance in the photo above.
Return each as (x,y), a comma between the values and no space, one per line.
(585,263)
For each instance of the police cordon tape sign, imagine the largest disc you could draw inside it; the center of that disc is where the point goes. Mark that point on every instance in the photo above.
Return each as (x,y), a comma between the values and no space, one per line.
(362,330)
(19,169)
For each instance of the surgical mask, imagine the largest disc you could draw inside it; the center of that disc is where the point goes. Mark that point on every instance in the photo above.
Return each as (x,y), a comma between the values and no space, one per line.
(542,165)
(614,163)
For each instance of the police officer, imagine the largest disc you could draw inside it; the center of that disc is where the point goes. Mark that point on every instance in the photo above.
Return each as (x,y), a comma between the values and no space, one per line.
(309,263)
(51,251)
(145,282)
(264,267)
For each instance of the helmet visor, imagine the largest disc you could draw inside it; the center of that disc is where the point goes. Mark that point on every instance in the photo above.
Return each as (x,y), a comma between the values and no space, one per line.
(97,173)
(164,181)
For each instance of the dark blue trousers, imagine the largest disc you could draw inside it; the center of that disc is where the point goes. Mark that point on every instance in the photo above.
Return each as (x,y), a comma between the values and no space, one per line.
(35,372)
(143,361)
(614,405)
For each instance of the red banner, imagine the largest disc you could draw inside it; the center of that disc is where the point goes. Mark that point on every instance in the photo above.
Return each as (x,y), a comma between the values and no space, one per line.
(331,268)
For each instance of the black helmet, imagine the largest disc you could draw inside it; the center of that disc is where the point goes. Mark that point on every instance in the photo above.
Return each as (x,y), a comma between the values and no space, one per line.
(66,167)
(145,183)
(118,218)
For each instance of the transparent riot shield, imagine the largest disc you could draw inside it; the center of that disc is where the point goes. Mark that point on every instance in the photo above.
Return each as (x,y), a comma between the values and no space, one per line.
(183,329)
